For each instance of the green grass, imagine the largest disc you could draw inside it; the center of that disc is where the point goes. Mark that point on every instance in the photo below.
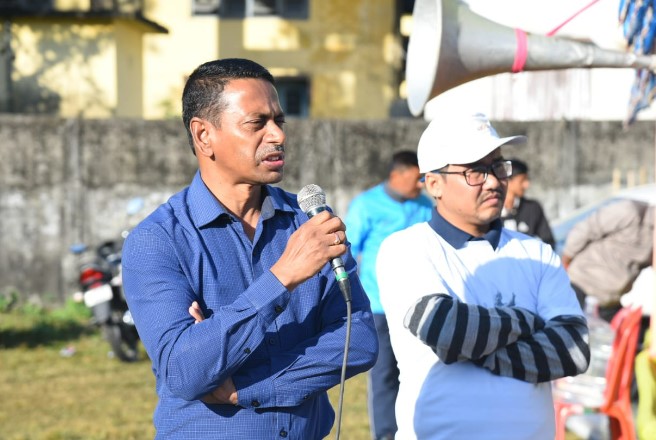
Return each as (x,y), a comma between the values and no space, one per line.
(90,396)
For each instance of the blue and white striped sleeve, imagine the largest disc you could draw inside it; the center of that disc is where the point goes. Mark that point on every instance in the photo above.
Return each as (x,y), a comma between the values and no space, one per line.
(509,341)
(560,349)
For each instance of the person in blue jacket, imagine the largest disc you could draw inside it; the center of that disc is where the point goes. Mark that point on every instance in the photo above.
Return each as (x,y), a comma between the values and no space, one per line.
(388,207)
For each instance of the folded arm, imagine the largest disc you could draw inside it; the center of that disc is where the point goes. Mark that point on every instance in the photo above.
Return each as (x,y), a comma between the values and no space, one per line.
(560,349)
(313,366)
(509,341)
(226,393)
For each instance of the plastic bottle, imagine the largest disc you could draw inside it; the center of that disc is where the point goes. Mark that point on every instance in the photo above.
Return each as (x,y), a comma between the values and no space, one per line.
(588,388)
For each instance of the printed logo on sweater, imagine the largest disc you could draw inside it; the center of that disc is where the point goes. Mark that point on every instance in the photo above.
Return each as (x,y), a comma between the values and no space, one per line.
(498,300)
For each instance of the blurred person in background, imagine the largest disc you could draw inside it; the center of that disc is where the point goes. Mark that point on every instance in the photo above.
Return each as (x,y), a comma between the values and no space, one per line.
(605,252)
(244,254)
(388,207)
(520,213)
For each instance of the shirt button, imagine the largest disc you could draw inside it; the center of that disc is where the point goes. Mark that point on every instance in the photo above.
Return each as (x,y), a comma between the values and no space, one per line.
(283,433)
(255,403)
(247,350)
(278,309)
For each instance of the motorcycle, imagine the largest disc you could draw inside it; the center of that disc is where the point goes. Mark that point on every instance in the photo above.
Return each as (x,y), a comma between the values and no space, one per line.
(101,286)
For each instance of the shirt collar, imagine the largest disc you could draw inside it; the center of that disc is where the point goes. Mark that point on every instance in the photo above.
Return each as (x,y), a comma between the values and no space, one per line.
(274,201)
(457,237)
(205,208)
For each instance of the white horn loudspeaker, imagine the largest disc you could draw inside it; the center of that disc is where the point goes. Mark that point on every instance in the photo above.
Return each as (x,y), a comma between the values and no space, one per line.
(451,45)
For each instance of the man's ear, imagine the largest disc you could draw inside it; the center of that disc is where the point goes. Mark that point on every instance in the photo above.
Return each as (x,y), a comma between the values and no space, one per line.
(393,175)
(434,184)
(201,130)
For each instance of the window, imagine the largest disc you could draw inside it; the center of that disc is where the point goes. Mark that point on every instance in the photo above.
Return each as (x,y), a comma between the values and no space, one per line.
(203,7)
(294,96)
(264,7)
(297,9)
(233,8)
(294,8)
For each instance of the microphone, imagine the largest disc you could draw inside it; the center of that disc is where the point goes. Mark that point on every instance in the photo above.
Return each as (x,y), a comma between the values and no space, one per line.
(312,201)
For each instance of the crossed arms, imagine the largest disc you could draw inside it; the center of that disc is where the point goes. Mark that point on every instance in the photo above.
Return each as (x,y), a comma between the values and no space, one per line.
(508,341)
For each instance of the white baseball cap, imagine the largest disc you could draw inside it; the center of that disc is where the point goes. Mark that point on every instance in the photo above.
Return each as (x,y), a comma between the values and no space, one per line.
(459,141)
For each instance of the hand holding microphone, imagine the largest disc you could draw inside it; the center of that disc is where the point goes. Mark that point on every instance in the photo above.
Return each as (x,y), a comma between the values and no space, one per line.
(315,243)
(312,200)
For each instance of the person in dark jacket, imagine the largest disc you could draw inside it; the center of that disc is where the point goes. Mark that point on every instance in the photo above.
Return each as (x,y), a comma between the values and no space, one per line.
(522,214)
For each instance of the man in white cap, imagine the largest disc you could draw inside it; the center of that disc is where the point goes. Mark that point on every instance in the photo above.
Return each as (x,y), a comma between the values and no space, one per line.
(481,318)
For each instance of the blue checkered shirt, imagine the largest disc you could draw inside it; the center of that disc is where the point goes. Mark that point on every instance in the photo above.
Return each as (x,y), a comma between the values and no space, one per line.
(283,350)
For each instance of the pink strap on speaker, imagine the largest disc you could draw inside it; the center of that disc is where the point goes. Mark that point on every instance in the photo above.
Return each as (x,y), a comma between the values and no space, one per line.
(521,52)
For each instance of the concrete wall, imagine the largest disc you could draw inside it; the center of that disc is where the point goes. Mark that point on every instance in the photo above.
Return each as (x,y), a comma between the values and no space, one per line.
(65,181)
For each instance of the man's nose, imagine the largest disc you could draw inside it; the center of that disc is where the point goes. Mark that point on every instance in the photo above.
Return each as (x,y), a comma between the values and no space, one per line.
(493,181)
(275,134)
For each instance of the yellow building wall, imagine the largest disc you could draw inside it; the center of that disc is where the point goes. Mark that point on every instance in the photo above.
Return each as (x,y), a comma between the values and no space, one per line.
(76,68)
(65,67)
(129,70)
(72,5)
(170,58)
(346,49)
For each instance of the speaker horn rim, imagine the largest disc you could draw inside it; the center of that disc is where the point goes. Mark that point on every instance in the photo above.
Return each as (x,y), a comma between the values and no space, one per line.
(423,53)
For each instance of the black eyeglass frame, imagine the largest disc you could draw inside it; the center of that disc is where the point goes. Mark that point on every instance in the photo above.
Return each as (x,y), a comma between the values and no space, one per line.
(485,169)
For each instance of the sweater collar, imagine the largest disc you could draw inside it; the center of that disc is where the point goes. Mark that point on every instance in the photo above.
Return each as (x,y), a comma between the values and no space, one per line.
(458,238)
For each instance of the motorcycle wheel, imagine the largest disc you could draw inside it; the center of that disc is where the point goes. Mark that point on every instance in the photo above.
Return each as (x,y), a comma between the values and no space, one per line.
(122,342)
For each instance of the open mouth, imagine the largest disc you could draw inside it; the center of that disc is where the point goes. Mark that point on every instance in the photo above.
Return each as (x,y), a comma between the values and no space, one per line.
(275,158)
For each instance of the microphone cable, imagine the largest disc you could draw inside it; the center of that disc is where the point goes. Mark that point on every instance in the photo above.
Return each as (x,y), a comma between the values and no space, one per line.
(344,362)
(344,284)
(312,200)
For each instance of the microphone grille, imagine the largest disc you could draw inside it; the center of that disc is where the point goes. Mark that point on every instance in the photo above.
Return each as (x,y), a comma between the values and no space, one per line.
(310,197)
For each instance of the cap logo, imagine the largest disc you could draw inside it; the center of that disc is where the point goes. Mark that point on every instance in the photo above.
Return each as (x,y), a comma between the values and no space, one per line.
(484,126)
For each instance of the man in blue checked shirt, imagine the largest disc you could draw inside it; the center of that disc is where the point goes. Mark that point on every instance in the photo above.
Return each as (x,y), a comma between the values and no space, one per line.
(271,342)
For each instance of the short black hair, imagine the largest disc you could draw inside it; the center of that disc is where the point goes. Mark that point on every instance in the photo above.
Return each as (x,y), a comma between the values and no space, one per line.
(403,159)
(202,94)
(518,167)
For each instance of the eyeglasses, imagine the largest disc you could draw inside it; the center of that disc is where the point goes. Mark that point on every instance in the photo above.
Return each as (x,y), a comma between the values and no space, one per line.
(477,176)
